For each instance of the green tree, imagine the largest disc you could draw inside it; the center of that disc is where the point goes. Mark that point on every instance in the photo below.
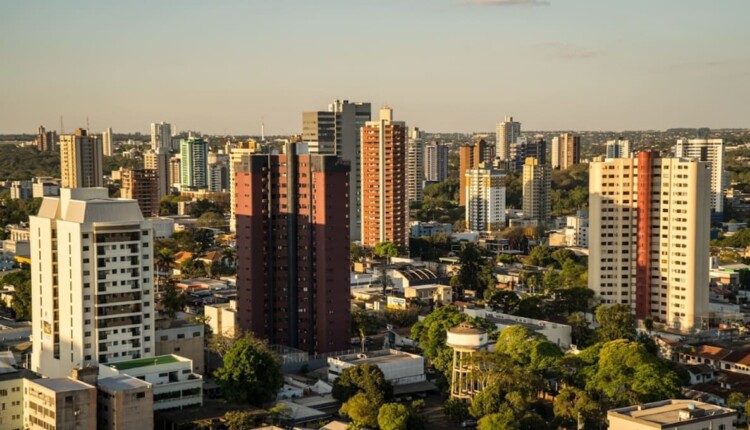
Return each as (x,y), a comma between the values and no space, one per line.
(540,256)
(362,410)
(572,403)
(251,372)
(21,281)
(499,421)
(363,378)
(431,333)
(504,301)
(393,416)
(356,252)
(385,250)
(736,400)
(469,274)
(528,348)
(211,220)
(456,409)
(278,413)
(615,322)
(365,321)
(238,420)
(173,299)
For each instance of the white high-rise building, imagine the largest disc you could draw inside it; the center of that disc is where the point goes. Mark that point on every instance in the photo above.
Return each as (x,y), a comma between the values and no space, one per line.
(161,136)
(649,237)
(107,143)
(158,159)
(506,132)
(619,148)
(92,282)
(435,162)
(712,152)
(485,199)
(415,152)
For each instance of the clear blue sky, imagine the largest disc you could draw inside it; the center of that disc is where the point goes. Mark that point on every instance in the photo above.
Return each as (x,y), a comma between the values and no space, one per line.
(443,65)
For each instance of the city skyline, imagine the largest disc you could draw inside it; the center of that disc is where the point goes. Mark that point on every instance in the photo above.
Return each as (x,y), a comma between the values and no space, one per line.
(466,64)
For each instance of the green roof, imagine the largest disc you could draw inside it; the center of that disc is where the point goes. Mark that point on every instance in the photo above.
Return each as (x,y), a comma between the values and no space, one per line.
(143,362)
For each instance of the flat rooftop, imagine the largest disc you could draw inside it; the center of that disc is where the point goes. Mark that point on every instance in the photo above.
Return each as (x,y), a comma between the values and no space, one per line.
(61,385)
(669,411)
(378,357)
(121,383)
(144,362)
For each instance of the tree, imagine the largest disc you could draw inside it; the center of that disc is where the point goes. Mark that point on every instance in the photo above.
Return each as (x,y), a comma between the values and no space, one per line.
(456,409)
(363,378)
(362,410)
(431,335)
(173,299)
(528,348)
(504,301)
(573,402)
(363,320)
(736,400)
(540,256)
(393,416)
(279,412)
(615,322)
(211,220)
(239,420)
(385,250)
(497,421)
(356,252)
(251,372)
(470,270)
(21,281)
(164,263)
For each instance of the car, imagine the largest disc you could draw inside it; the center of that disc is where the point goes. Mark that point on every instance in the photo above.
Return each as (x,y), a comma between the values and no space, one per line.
(468,423)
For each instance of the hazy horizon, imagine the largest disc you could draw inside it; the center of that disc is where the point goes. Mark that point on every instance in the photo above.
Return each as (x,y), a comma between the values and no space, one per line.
(445,66)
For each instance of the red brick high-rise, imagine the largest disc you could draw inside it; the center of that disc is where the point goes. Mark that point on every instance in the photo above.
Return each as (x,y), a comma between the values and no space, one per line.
(293,250)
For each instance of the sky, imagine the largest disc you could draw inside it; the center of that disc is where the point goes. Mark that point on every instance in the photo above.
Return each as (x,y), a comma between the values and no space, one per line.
(223,67)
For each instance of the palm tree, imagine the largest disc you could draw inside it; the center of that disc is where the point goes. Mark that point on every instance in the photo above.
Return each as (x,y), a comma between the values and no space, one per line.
(164,263)
(228,256)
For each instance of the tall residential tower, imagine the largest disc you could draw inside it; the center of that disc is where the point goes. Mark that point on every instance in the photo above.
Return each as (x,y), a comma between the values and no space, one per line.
(81,159)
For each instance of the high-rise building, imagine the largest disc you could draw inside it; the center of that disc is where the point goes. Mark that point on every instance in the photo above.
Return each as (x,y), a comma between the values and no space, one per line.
(435,162)
(92,282)
(108,145)
(46,141)
(194,163)
(470,156)
(649,237)
(141,185)
(158,161)
(485,194)
(384,204)
(506,133)
(337,131)
(566,151)
(175,172)
(536,183)
(524,148)
(161,136)
(81,160)
(712,152)
(217,177)
(239,161)
(619,148)
(415,165)
(293,250)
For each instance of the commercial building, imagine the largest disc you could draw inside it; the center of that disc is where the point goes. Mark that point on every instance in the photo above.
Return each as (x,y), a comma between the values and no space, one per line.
(337,131)
(194,163)
(506,133)
(416,167)
(672,414)
(46,141)
(619,148)
(238,162)
(649,237)
(158,161)
(124,402)
(173,382)
(485,199)
(435,162)
(161,136)
(710,151)
(384,204)
(293,250)
(470,156)
(58,403)
(81,160)
(92,281)
(141,185)
(536,183)
(108,145)
(566,151)
(398,367)
(222,318)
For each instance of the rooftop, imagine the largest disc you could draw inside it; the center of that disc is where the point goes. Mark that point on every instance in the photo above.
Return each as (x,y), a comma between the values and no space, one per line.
(143,362)
(378,357)
(61,385)
(121,383)
(670,412)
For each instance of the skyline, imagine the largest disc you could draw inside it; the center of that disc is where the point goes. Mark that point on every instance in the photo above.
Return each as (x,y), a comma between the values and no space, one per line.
(224,68)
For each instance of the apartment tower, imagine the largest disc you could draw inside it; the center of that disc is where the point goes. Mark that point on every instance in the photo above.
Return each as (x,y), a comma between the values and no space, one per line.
(194,163)
(536,183)
(435,162)
(293,250)
(649,237)
(81,160)
(384,204)
(108,145)
(712,152)
(485,206)
(239,161)
(566,151)
(470,156)
(619,148)
(158,161)
(337,131)
(161,136)
(506,133)
(415,164)
(141,185)
(46,141)
(92,282)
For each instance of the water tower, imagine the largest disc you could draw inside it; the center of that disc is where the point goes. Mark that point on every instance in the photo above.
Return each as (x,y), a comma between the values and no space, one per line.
(466,339)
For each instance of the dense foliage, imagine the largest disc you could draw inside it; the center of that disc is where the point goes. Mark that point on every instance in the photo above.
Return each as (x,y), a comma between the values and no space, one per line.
(251,372)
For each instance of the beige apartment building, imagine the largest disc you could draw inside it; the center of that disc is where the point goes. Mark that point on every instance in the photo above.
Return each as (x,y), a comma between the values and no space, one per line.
(158,161)
(58,403)
(566,151)
(470,156)
(125,402)
(141,185)
(485,201)
(649,237)
(536,184)
(81,159)
(672,414)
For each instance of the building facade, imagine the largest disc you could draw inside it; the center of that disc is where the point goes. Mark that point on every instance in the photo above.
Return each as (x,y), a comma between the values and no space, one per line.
(158,161)
(239,161)
(46,141)
(619,148)
(193,163)
(710,151)
(141,185)
(415,165)
(384,203)
(58,403)
(435,162)
(536,183)
(506,133)
(293,250)
(161,136)
(108,145)
(566,151)
(81,159)
(649,237)
(92,281)
(524,148)
(485,202)
(470,156)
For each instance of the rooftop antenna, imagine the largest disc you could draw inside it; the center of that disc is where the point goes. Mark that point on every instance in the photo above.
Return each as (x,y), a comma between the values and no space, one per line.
(62,129)
(262,130)
(87,125)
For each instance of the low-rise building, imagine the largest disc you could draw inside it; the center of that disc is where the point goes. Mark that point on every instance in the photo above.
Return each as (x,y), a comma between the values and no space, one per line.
(45,187)
(672,414)
(429,228)
(58,403)
(398,367)
(175,385)
(222,318)
(430,292)
(124,402)
(559,334)
(11,392)
(184,339)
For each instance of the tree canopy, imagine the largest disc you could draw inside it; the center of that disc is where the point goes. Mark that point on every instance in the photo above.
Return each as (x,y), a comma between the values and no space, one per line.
(251,372)
(615,322)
